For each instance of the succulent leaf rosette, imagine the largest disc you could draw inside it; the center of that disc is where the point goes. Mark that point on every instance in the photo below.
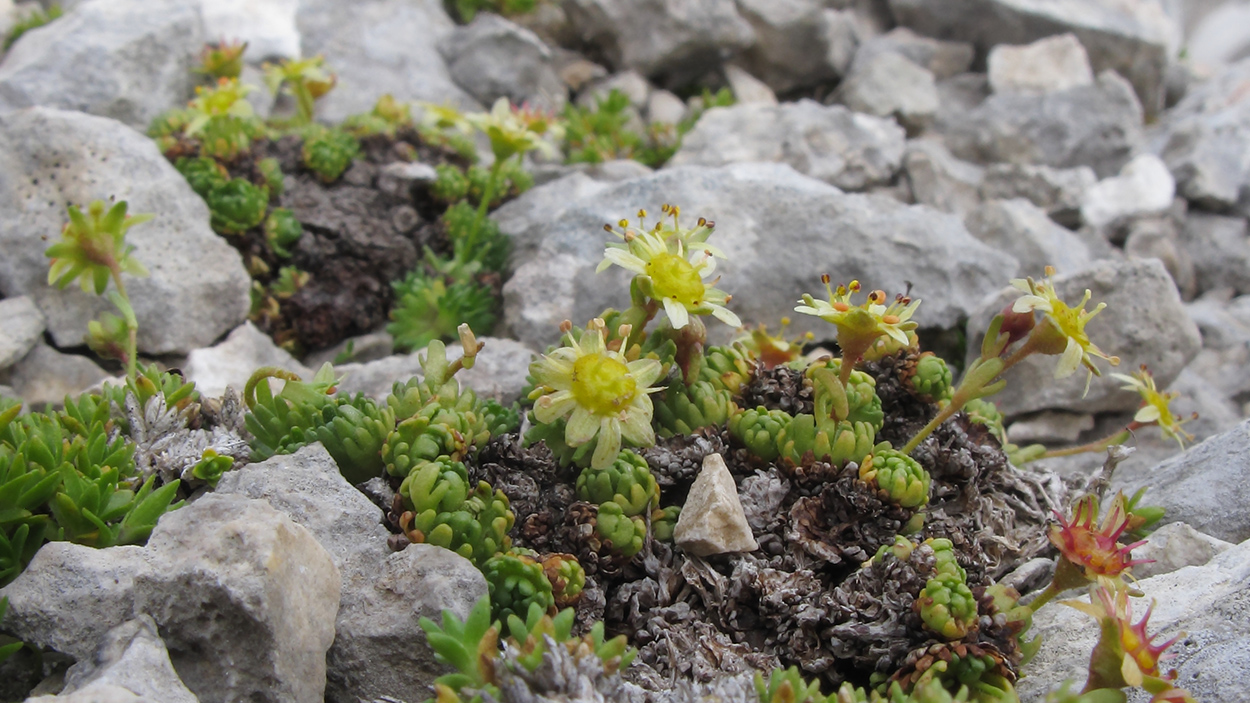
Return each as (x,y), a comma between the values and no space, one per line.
(672,263)
(600,393)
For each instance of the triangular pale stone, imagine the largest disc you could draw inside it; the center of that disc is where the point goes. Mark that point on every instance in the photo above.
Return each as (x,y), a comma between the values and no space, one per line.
(712,520)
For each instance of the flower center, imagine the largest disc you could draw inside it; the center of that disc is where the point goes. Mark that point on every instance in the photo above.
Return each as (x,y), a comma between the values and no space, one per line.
(602,384)
(676,278)
(1069,322)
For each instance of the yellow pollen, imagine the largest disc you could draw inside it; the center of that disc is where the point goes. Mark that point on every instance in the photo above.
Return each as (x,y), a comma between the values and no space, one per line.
(674,277)
(602,384)
(890,319)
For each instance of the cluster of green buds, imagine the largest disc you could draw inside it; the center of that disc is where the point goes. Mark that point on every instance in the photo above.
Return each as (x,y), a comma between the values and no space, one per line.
(516,583)
(788,686)
(683,409)
(931,379)
(664,521)
(897,477)
(627,482)
(774,350)
(530,636)
(282,231)
(622,533)
(727,368)
(93,250)
(221,119)
(946,604)
(237,205)
(388,117)
(566,576)
(328,152)
(476,526)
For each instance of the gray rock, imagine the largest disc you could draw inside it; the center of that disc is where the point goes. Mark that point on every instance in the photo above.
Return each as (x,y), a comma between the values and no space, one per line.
(1205,141)
(1144,323)
(398,177)
(779,230)
(1159,238)
(265,595)
(1130,38)
(851,151)
(747,89)
(1220,250)
(70,596)
(102,693)
(1050,427)
(1047,65)
(664,107)
(493,58)
(1206,602)
(669,39)
(23,326)
(939,180)
(889,85)
(711,520)
(231,363)
(1205,487)
(1057,191)
(498,373)
(133,657)
(1097,126)
(793,42)
(1173,547)
(378,650)
(1143,187)
(1221,321)
(52,158)
(1021,229)
(366,347)
(45,375)
(126,59)
(630,83)
(380,46)
(942,58)
(268,26)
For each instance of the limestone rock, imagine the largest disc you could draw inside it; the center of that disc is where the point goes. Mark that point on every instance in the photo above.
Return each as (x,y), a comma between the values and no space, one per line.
(889,85)
(1097,126)
(268,26)
(747,89)
(70,596)
(1174,546)
(711,521)
(1219,247)
(1144,323)
(851,151)
(1206,487)
(1143,187)
(236,586)
(1046,65)
(55,158)
(1050,426)
(232,362)
(1057,191)
(1021,229)
(939,180)
(499,372)
(780,231)
(45,375)
(125,59)
(1132,39)
(132,657)
(23,327)
(796,42)
(377,47)
(942,58)
(493,58)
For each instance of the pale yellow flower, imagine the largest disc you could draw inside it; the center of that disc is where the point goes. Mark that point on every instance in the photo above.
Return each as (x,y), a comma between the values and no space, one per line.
(1066,326)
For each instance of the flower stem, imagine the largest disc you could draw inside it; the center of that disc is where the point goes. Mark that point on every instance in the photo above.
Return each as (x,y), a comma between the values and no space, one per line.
(1093,447)
(1044,597)
(487,195)
(132,326)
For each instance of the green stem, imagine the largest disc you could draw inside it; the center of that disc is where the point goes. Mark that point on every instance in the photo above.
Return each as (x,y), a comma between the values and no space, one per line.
(945,414)
(303,102)
(1044,597)
(487,195)
(1093,447)
(132,327)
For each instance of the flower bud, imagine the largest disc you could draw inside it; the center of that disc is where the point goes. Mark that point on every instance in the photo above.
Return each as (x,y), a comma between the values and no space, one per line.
(1017,325)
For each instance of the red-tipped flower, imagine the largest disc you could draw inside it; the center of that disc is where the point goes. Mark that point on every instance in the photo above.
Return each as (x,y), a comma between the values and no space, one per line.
(1094,547)
(1125,654)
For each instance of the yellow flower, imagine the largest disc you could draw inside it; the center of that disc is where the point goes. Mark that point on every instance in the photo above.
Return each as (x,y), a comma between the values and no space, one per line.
(1155,405)
(444,117)
(860,325)
(599,392)
(227,99)
(1062,330)
(672,263)
(516,130)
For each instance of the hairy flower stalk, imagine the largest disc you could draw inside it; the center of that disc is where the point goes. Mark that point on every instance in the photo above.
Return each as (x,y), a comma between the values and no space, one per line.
(599,393)
(859,326)
(93,249)
(1061,332)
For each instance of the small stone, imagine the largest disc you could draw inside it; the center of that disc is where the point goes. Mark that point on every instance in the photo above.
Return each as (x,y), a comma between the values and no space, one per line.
(23,327)
(1020,228)
(1058,191)
(133,657)
(1157,238)
(232,362)
(1175,546)
(1047,65)
(940,180)
(398,177)
(943,59)
(493,58)
(70,595)
(630,83)
(712,520)
(1143,187)
(888,85)
(1050,427)
(664,107)
(795,41)
(1219,247)
(45,375)
(230,576)
(747,89)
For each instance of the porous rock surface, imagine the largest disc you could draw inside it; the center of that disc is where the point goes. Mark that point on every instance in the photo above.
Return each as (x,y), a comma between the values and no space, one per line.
(52,158)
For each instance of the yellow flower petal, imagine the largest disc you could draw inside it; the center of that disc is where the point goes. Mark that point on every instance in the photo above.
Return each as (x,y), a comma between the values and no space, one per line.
(609,443)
